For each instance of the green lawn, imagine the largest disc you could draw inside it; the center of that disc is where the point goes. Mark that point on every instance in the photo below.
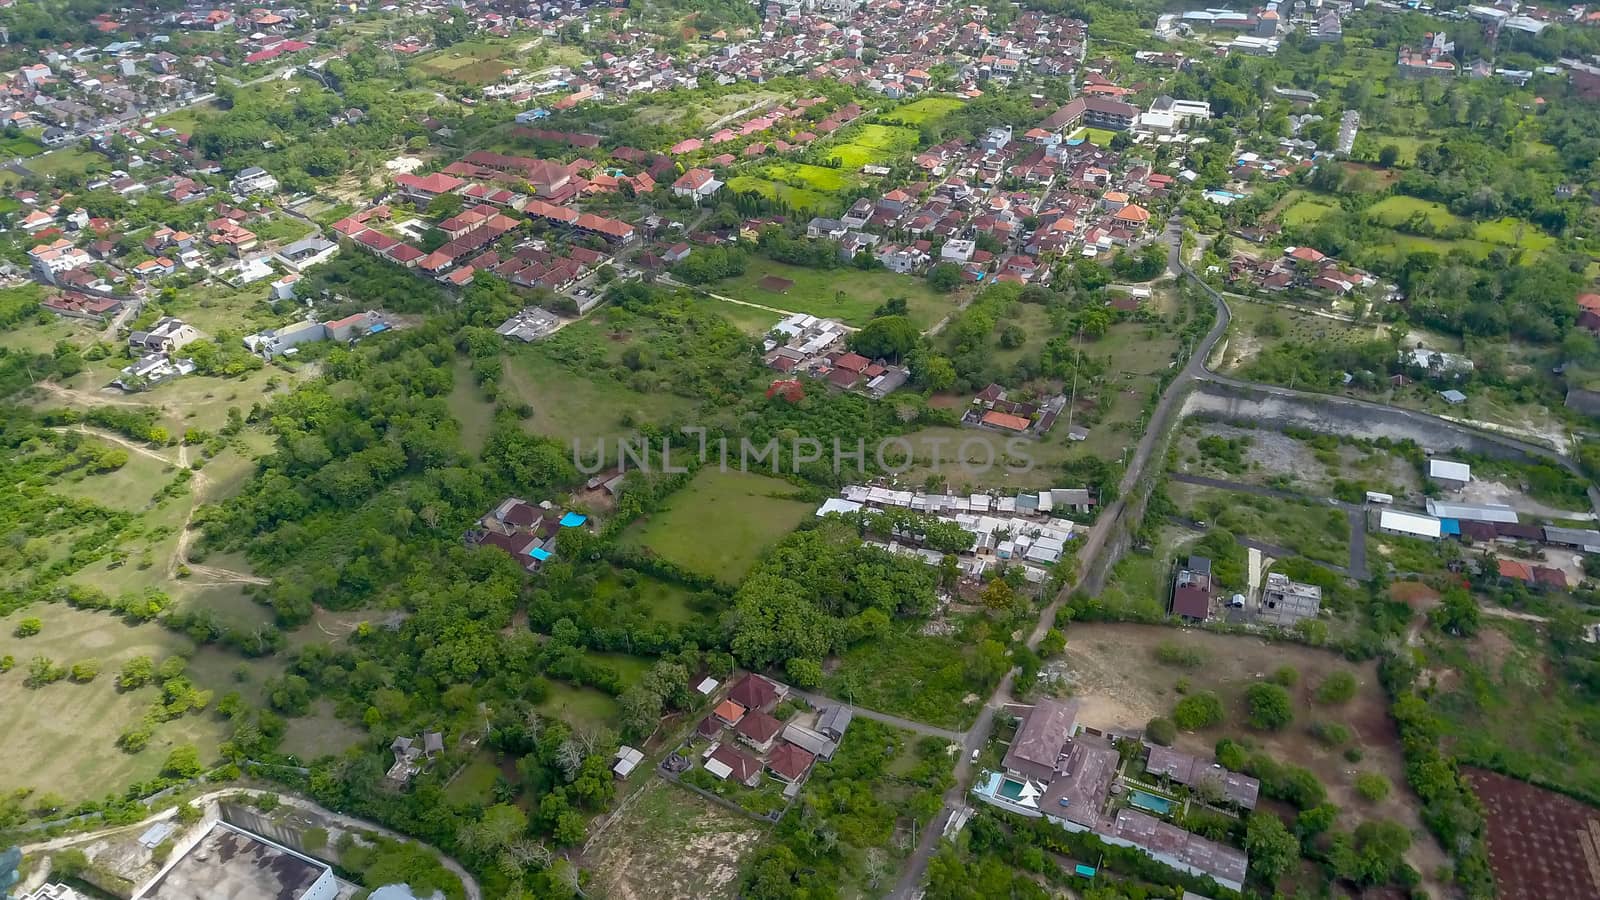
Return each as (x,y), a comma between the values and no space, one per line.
(67,160)
(822,179)
(21,145)
(472,411)
(567,406)
(1408,145)
(69,747)
(320,734)
(581,707)
(752,321)
(872,144)
(1306,212)
(919,677)
(666,601)
(721,523)
(188,119)
(1099,137)
(925,109)
(799,199)
(474,782)
(1398,209)
(849,295)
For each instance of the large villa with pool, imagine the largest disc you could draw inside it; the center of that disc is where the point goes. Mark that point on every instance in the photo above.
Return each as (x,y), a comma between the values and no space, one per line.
(1075,777)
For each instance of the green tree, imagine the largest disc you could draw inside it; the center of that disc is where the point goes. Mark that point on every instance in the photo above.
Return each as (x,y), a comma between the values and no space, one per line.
(28,627)
(1161,731)
(182,762)
(1337,688)
(945,277)
(1389,155)
(1373,787)
(1270,706)
(1198,711)
(887,337)
(1273,850)
(136,673)
(804,673)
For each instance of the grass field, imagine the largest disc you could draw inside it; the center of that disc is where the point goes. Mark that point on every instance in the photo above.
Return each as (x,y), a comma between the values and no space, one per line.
(874,144)
(924,109)
(21,145)
(186,120)
(472,411)
(849,295)
(1315,531)
(912,675)
(796,198)
(1397,209)
(672,845)
(1408,146)
(469,62)
(320,734)
(474,782)
(68,160)
(821,179)
(580,707)
(69,746)
(666,601)
(963,457)
(1099,137)
(721,523)
(567,407)
(1306,211)
(752,321)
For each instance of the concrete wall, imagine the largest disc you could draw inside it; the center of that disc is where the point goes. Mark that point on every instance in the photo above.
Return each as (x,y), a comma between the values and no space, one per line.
(1329,414)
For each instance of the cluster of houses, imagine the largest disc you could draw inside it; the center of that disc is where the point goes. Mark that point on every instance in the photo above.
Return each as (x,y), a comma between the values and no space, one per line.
(743,738)
(1299,269)
(991,408)
(412,755)
(1022,530)
(526,531)
(285,341)
(1070,775)
(156,356)
(814,347)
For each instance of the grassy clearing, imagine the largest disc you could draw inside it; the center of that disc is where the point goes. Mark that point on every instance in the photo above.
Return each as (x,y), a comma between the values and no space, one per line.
(1398,209)
(963,457)
(917,676)
(849,295)
(925,109)
(473,783)
(472,411)
(797,198)
(821,179)
(469,62)
(1139,583)
(21,145)
(752,321)
(568,407)
(672,845)
(68,160)
(580,707)
(320,734)
(874,143)
(1099,137)
(1408,145)
(70,748)
(1315,531)
(188,119)
(721,523)
(667,602)
(1307,211)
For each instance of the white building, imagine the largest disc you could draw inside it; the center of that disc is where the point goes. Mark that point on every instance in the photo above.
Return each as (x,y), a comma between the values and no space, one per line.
(1394,521)
(253,180)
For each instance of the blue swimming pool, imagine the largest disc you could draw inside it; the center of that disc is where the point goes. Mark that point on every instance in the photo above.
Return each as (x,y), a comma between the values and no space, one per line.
(1147,801)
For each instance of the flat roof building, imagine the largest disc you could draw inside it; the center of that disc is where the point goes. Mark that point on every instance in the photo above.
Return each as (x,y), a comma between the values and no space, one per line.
(229,863)
(1394,521)
(1286,602)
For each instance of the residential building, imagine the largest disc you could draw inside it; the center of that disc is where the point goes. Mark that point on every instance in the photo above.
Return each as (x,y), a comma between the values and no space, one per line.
(165,335)
(697,184)
(306,252)
(253,180)
(1178,767)
(727,761)
(1191,590)
(1112,115)
(1285,602)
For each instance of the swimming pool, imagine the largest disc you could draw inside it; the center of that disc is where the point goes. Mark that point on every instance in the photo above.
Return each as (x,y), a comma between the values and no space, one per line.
(1147,801)
(1011,790)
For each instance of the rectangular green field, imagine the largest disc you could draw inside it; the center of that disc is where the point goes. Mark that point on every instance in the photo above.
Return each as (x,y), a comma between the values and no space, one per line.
(721,523)
(926,109)
(799,199)
(567,406)
(68,160)
(580,707)
(816,178)
(1306,212)
(1398,209)
(849,295)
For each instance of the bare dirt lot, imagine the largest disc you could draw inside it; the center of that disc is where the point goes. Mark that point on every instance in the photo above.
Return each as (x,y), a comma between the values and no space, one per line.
(1116,677)
(1541,844)
(671,845)
(1276,459)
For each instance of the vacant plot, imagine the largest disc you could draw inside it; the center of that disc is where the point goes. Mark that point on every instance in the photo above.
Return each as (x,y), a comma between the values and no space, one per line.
(469,62)
(69,748)
(822,179)
(20,145)
(1307,211)
(320,734)
(925,109)
(1274,459)
(670,844)
(796,198)
(849,295)
(68,160)
(1398,209)
(977,458)
(921,677)
(472,411)
(1541,844)
(1408,146)
(721,523)
(1313,530)
(873,144)
(1114,674)
(664,600)
(569,407)
(580,707)
(474,782)
(189,118)
(1140,582)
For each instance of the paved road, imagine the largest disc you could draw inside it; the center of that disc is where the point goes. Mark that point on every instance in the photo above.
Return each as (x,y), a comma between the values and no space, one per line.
(1092,566)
